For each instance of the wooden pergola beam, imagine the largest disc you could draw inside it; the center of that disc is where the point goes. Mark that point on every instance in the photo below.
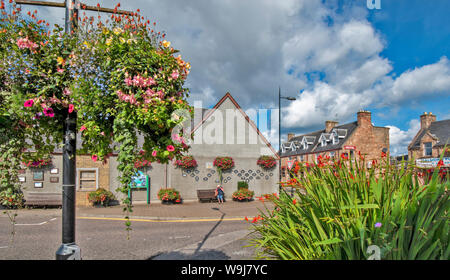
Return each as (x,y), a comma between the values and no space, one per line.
(82,6)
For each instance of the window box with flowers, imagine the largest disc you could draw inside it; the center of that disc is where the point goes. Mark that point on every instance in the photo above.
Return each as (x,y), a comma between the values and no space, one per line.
(39,163)
(101,198)
(169,196)
(266,162)
(186,162)
(142,162)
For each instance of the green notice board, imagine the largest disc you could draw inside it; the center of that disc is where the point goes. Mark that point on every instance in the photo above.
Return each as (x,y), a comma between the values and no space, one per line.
(140,181)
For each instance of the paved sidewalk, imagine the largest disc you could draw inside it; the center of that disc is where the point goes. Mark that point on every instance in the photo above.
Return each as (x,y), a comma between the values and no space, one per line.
(187,210)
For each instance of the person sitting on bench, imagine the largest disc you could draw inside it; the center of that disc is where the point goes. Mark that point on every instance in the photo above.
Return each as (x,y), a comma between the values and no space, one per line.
(219,193)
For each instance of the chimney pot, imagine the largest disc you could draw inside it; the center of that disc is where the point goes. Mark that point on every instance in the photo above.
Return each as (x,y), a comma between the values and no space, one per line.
(426,119)
(329,125)
(364,118)
(290,136)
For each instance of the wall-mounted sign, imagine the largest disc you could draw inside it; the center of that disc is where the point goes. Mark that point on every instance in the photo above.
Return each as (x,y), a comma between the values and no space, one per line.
(349,147)
(38,185)
(54,171)
(432,162)
(38,176)
(54,179)
(209,165)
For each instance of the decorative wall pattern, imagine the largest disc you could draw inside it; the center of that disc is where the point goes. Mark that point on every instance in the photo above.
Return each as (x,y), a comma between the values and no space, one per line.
(237,174)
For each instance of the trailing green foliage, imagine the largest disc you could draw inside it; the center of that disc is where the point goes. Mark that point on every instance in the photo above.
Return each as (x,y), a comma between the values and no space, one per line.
(242,185)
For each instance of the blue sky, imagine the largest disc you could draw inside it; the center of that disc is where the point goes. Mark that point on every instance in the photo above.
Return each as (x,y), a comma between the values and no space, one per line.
(417,34)
(341,56)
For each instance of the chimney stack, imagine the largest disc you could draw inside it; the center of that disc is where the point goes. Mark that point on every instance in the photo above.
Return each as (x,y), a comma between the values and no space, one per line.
(329,125)
(426,119)
(364,118)
(290,135)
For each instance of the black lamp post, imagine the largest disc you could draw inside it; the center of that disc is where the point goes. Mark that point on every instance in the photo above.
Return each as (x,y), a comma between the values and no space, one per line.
(279,127)
(69,250)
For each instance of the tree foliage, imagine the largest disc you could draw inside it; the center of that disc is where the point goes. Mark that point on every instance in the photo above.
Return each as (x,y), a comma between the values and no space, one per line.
(118,77)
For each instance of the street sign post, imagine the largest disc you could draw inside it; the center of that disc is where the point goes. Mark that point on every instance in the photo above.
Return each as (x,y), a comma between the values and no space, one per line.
(140,181)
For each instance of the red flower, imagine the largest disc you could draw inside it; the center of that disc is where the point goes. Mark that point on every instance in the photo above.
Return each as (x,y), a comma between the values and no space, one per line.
(28,103)
(170,148)
(49,112)
(71,108)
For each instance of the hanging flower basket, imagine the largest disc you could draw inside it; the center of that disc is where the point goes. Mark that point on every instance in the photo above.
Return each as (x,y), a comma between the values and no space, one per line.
(266,162)
(186,162)
(223,163)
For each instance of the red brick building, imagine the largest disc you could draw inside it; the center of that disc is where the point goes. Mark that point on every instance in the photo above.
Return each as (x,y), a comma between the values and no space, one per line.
(429,143)
(349,139)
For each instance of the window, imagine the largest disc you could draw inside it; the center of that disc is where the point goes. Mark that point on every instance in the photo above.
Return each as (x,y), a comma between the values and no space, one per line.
(87,179)
(335,139)
(332,154)
(428,148)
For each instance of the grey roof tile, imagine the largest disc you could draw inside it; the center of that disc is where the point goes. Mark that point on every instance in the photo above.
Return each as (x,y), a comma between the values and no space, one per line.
(344,131)
(439,129)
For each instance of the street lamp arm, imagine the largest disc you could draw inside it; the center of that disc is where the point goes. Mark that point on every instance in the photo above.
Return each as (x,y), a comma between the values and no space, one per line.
(288,98)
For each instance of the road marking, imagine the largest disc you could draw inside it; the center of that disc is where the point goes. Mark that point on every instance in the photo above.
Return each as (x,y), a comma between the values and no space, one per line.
(179,237)
(3,247)
(38,224)
(212,243)
(161,221)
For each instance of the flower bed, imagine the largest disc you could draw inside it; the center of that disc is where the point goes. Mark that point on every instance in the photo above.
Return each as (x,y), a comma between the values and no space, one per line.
(266,162)
(186,162)
(101,197)
(243,194)
(169,196)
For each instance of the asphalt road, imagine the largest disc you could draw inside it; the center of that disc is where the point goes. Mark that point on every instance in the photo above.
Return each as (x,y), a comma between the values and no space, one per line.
(38,236)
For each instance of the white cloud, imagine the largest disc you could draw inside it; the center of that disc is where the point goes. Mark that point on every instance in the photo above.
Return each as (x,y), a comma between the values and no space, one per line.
(400,139)
(250,48)
(426,80)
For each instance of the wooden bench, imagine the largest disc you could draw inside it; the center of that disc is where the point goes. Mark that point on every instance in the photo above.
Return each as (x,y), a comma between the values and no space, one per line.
(43,199)
(208,194)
